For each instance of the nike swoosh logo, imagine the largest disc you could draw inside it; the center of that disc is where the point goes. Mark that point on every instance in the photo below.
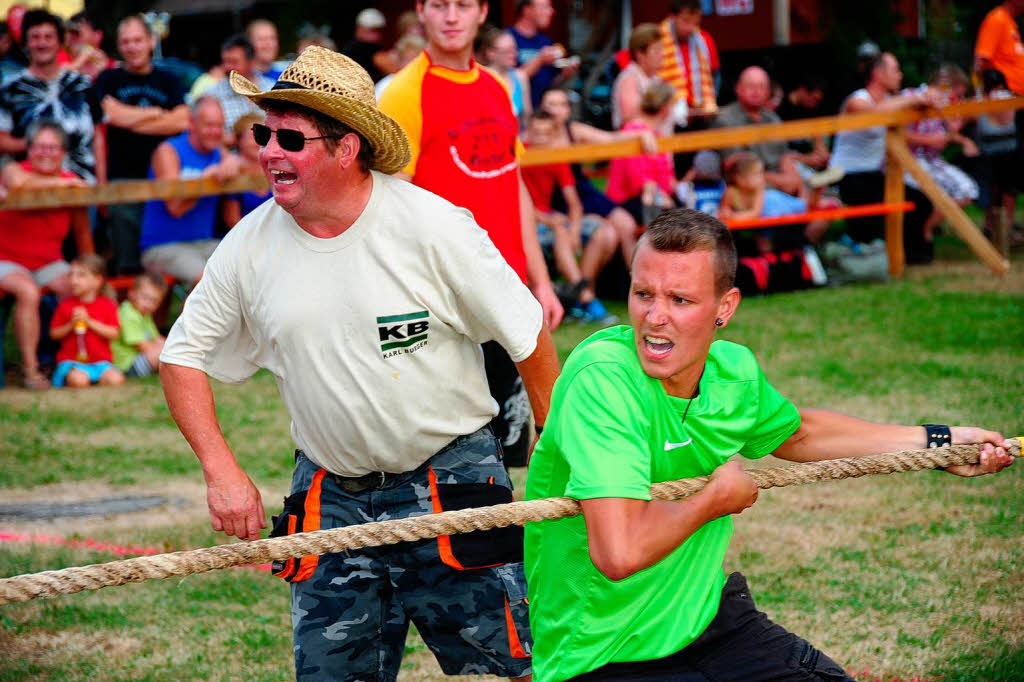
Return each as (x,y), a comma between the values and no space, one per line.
(672,446)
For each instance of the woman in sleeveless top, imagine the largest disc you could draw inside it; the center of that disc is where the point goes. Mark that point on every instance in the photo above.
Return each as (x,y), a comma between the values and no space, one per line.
(645,51)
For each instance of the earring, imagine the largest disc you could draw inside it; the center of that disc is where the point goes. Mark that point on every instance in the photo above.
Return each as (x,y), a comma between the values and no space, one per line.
(719,322)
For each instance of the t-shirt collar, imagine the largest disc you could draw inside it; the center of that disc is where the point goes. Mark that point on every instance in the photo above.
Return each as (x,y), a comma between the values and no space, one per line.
(455,75)
(371,213)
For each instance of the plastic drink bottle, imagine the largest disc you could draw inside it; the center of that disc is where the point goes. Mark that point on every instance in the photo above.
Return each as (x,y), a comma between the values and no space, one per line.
(80,329)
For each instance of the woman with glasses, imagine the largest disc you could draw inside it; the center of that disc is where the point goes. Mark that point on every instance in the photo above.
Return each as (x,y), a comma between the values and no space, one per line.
(30,241)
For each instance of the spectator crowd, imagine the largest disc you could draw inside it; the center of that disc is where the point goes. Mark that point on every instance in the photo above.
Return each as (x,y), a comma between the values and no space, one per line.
(72,115)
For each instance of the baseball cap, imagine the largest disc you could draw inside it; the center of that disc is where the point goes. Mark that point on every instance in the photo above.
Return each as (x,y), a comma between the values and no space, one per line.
(371,17)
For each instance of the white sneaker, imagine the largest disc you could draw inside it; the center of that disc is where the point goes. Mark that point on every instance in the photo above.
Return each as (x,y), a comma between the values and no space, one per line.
(818,275)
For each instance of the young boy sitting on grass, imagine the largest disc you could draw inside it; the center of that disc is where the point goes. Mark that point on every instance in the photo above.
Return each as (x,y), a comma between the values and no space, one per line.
(566,236)
(137,348)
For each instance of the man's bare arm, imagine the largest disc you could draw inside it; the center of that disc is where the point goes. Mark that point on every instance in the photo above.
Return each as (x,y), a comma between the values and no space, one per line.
(235,503)
(167,166)
(81,230)
(9,144)
(165,123)
(127,116)
(625,536)
(826,435)
(539,371)
(99,152)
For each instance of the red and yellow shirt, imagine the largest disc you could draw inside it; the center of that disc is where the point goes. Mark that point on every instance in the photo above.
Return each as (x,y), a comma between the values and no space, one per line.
(465,144)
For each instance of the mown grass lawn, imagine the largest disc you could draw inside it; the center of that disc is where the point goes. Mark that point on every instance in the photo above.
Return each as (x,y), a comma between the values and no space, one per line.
(899,576)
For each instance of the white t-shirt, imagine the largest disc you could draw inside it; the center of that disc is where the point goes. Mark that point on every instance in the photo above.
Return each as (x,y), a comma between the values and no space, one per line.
(373,335)
(859,151)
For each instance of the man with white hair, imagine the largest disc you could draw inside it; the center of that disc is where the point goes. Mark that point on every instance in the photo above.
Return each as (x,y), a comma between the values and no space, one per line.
(367,298)
(177,235)
(753,88)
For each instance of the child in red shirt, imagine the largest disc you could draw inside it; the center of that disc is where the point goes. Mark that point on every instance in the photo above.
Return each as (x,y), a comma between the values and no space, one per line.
(85,323)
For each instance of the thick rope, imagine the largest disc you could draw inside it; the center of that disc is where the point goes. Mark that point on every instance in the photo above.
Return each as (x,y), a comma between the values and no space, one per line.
(75,579)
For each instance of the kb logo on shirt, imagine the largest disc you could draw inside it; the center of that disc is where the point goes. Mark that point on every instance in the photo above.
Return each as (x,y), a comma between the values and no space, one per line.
(401,334)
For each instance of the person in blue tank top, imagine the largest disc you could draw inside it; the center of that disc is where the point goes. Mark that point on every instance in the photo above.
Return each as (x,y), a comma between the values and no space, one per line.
(178,234)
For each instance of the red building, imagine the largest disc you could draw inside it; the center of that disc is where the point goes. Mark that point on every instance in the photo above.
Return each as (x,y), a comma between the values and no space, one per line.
(735,24)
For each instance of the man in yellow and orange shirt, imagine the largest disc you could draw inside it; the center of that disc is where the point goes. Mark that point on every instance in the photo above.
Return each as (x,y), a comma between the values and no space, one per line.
(465,146)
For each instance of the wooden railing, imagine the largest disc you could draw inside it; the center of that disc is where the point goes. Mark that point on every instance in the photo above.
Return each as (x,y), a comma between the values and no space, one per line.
(899,160)
(130,192)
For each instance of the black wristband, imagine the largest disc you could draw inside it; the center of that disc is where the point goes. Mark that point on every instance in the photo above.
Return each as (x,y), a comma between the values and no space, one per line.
(938,435)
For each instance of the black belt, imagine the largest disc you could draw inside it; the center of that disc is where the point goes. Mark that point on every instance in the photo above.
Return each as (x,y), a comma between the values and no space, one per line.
(361,484)
(354,485)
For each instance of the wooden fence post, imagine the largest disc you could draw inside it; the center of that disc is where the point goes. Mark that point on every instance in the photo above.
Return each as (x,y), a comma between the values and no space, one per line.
(896,146)
(895,193)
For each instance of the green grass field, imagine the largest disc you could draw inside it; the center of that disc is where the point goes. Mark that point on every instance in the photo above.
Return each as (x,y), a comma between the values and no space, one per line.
(896,577)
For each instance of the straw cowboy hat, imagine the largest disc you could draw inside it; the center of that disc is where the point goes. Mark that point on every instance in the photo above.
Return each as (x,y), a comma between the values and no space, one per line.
(336,86)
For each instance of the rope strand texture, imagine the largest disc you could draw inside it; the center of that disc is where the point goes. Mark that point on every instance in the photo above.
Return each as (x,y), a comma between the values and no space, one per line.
(75,579)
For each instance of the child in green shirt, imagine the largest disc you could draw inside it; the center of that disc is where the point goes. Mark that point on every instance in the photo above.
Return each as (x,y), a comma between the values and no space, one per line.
(137,348)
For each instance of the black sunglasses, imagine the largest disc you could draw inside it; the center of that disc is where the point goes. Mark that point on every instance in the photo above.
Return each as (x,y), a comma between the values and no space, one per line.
(290,140)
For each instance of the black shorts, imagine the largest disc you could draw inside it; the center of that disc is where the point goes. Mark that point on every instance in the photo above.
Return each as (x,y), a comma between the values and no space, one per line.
(739,645)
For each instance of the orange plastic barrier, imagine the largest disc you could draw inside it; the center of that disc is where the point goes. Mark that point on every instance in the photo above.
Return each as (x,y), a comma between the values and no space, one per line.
(124,282)
(824,214)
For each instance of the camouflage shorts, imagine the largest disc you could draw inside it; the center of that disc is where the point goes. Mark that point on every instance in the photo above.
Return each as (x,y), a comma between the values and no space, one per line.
(466,594)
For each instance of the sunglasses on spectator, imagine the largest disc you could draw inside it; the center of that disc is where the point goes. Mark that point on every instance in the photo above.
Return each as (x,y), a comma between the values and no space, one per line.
(289,140)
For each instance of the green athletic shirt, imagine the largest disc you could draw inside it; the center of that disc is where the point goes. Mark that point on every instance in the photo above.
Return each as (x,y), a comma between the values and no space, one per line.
(135,328)
(612,432)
